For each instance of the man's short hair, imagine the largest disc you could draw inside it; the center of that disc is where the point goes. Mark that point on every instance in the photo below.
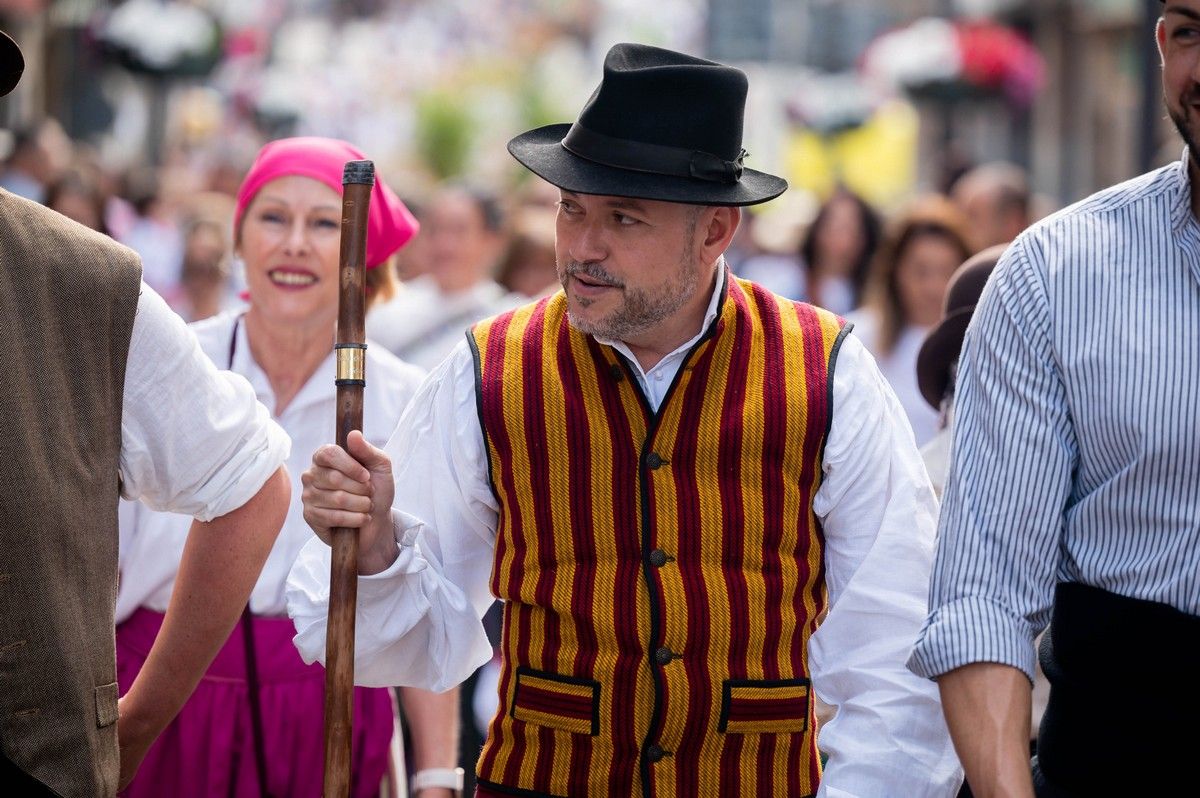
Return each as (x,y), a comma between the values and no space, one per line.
(1006,182)
(487,203)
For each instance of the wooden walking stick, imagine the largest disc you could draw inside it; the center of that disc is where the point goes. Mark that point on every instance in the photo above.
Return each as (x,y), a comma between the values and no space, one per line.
(358,178)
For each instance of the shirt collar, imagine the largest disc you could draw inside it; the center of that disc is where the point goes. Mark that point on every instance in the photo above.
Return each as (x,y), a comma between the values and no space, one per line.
(319,388)
(1181,205)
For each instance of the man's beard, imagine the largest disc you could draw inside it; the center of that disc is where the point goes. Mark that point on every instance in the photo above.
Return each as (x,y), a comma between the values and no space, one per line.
(1184,127)
(640,309)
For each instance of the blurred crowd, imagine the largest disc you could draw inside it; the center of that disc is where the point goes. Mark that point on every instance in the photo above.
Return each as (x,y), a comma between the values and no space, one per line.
(484,249)
(478,253)
(887,270)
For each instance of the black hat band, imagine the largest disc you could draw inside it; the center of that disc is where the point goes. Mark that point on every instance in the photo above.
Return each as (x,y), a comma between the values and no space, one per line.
(656,159)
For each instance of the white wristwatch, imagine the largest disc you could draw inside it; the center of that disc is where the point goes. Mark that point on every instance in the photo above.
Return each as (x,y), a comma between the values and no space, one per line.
(450,778)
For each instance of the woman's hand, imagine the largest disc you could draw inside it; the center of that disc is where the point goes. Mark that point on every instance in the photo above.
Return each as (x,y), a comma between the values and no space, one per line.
(354,490)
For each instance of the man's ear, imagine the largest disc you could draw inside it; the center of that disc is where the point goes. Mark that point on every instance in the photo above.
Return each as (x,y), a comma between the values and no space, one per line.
(719,225)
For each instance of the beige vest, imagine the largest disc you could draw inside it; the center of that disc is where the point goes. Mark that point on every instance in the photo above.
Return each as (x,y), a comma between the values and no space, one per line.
(67,302)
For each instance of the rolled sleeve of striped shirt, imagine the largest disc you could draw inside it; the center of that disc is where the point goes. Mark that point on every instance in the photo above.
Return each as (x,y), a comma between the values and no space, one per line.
(1013,457)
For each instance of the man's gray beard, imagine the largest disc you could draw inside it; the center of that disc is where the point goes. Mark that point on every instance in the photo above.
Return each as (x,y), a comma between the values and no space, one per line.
(640,310)
(617,328)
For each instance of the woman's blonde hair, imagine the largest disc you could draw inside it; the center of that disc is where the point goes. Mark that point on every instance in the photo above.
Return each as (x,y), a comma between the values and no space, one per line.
(381,282)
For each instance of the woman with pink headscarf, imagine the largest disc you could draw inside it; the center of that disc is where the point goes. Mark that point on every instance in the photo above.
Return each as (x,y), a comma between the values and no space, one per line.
(254,725)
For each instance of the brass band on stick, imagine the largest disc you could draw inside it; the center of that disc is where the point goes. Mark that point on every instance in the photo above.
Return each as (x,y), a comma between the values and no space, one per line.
(351,364)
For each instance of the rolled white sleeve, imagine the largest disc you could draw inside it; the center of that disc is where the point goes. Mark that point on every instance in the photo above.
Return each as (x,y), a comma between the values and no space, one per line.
(879,514)
(418,622)
(194,440)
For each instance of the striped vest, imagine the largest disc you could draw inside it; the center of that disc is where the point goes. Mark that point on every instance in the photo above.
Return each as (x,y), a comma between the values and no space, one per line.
(661,572)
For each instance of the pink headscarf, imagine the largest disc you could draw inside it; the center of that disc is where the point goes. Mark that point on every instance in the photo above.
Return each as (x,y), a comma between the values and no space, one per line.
(390,225)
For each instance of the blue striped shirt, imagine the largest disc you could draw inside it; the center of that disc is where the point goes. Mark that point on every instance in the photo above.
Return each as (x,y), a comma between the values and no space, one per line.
(1076,451)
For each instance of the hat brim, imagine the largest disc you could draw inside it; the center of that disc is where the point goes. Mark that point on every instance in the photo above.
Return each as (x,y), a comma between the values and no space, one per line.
(12,64)
(541,151)
(937,354)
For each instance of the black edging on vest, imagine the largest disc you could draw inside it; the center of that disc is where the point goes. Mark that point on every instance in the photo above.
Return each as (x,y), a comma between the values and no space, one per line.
(477,360)
(834,351)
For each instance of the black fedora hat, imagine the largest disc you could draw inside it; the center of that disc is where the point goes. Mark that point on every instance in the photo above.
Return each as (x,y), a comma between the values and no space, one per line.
(12,64)
(944,343)
(662,125)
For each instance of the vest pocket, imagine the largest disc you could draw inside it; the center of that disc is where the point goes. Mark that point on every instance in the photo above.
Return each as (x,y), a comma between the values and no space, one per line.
(754,706)
(560,702)
(106,705)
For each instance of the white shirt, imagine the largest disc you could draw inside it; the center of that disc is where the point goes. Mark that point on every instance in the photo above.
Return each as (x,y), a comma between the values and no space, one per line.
(780,274)
(418,621)
(421,324)
(160,246)
(936,454)
(193,439)
(899,368)
(23,185)
(837,294)
(152,542)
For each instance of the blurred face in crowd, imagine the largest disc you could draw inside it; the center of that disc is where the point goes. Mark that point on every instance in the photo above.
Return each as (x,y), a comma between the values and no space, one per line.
(79,207)
(1179,44)
(632,267)
(922,273)
(529,266)
(204,257)
(413,258)
(983,211)
(290,242)
(993,205)
(841,238)
(460,249)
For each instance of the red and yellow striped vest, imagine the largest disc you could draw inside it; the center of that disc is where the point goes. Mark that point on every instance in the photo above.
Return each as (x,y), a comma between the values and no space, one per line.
(661,572)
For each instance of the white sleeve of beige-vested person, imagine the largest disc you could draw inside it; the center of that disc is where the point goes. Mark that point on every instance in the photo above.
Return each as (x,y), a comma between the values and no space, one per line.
(888,736)
(418,622)
(194,440)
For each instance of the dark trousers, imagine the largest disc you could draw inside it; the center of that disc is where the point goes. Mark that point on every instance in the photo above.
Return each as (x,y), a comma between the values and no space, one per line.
(1043,788)
(14,781)
(1124,697)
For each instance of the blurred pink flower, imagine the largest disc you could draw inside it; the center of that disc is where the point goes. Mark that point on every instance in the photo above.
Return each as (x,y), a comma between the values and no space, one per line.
(952,58)
(996,57)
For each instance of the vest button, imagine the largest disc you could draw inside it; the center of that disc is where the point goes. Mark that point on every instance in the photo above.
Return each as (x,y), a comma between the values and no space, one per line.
(616,373)
(653,461)
(655,753)
(664,655)
(658,558)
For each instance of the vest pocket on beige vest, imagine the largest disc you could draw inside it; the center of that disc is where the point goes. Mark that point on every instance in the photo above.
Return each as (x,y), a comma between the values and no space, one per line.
(560,702)
(753,706)
(106,705)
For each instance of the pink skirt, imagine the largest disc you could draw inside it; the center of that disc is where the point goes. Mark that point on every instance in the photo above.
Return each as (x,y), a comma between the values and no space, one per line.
(208,750)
